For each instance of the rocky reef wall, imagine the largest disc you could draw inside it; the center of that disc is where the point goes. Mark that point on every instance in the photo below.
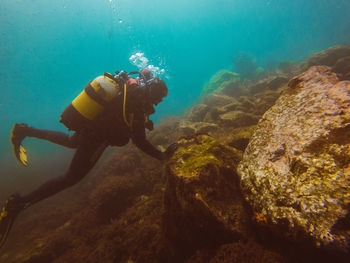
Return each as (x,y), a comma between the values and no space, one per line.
(295,171)
(261,175)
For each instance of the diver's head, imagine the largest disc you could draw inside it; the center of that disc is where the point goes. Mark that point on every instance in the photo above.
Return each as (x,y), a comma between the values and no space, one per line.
(157,90)
(145,74)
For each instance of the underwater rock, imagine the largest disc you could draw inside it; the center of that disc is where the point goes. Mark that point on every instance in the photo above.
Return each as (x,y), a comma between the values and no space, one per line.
(342,68)
(165,132)
(233,88)
(247,103)
(328,57)
(115,194)
(238,119)
(296,168)
(188,127)
(236,105)
(217,100)
(197,112)
(239,137)
(288,67)
(218,81)
(213,114)
(271,82)
(203,204)
(242,251)
(266,99)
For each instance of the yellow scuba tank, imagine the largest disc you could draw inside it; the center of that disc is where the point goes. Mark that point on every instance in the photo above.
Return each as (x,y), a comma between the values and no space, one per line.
(90,103)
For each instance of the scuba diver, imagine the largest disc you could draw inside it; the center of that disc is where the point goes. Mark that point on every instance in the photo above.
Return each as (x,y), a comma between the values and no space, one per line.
(111,110)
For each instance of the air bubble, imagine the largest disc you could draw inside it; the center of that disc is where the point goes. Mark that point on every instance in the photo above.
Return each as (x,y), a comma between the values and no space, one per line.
(140,61)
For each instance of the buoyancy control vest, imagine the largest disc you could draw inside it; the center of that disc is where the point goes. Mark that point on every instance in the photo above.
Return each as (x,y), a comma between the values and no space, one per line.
(91,102)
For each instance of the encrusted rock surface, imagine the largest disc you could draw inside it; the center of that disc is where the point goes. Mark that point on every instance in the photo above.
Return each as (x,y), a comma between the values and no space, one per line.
(342,68)
(197,113)
(296,169)
(238,119)
(328,57)
(272,83)
(219,81)
(197,127)
(203,204)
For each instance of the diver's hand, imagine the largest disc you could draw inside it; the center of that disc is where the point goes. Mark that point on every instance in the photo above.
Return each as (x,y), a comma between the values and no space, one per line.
(170,150)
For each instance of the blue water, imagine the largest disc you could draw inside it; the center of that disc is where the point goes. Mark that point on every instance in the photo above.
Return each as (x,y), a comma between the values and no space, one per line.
(50,49)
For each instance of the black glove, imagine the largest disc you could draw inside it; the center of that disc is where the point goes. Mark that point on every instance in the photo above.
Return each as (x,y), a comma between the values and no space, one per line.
(170,150)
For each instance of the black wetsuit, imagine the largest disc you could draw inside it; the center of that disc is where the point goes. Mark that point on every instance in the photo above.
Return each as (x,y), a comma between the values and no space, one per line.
(109,129)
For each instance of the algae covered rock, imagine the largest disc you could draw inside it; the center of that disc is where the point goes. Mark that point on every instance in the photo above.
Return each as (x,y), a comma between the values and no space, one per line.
(271,83)
(328,57)
(239,137)
(217,100)
(197,113)
(238,119)
(188,127)
(203,204)
(218,81)
(342,68)
(115,194)
(233,88)
(296,168)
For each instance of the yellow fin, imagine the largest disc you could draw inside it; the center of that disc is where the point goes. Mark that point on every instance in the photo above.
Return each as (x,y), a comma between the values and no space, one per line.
(23,155)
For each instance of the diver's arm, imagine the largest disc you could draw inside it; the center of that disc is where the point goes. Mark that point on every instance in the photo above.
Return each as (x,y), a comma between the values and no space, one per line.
(139,139)
(138,134)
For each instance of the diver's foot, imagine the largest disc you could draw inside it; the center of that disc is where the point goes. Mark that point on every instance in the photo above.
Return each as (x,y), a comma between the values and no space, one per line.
(9,212)
(18,133)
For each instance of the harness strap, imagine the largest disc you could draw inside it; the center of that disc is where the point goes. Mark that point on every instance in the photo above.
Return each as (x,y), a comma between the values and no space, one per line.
(124,108)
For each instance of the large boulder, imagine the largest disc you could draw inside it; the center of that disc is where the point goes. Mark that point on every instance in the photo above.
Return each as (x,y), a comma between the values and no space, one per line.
(203,204)
(328,57)
(296,168)
(238,119)
(271,83)
(188,127)
(219,81)
(342,68)
(234,88)
(197,112)
(217,100)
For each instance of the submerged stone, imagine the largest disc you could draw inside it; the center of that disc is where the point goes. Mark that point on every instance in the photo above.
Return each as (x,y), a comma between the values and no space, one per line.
(188,127)
(271,83)
(296,169)
(342,68)
(218,81)
(238,119)
(203,204)
(328,57)
(197,113)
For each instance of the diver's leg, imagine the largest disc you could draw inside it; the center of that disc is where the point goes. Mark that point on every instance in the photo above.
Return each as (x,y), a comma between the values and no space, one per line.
(86,156)
(20,131)
(9,211)
(83,161)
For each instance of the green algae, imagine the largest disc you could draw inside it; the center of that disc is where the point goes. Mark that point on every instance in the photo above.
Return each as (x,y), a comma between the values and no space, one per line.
(201,152)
